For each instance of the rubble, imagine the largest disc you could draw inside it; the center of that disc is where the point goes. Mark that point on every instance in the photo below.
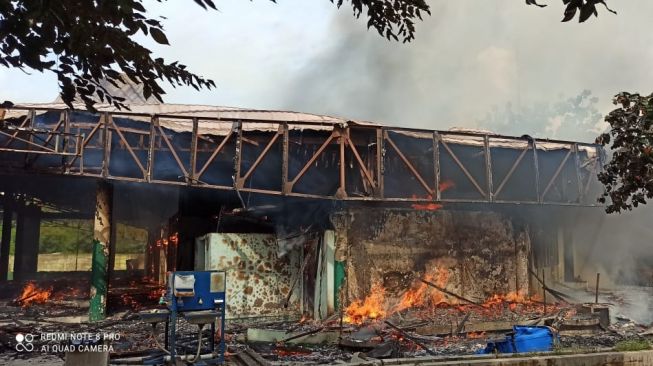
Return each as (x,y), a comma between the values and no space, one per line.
(445,330)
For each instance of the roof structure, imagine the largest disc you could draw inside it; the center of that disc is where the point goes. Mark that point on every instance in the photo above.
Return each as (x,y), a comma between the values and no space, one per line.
(266,151)
(176,117)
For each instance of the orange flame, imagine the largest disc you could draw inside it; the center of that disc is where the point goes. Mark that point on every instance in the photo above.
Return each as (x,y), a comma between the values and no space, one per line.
(443,186)
(376,305)
(511,298)
(475,335)
(174,239)
(373,307)
(423,294)
(32,294)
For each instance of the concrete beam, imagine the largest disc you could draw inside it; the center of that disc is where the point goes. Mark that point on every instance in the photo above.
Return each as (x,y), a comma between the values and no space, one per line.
(101,244)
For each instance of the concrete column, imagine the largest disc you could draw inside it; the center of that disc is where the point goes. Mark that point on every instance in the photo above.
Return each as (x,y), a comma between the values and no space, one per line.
(101,244)
(7,221)
(324,295)
(112,242)
(28,233)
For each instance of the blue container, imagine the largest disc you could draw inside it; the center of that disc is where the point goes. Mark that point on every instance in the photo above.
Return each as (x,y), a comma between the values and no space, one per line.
(533,339)
(523,339)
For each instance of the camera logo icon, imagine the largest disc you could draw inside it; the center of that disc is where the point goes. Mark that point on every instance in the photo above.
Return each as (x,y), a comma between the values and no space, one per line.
(24,342)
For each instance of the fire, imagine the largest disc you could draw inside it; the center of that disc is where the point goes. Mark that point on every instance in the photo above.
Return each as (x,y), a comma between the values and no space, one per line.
(422,294)
(475,335)
(376,305)
(174,239)
(373,307)
(32,294)
(446,185)
(511,297)
(287,352)
(443,186)
(426,206)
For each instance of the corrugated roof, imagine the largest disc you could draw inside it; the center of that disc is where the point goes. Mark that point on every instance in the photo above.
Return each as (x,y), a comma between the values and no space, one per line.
(217,128)
(208,127)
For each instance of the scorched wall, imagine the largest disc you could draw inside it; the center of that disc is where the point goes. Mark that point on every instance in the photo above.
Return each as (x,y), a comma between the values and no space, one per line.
(473,254)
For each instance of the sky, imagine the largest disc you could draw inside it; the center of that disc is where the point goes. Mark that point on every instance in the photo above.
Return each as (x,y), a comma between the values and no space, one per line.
(469,58)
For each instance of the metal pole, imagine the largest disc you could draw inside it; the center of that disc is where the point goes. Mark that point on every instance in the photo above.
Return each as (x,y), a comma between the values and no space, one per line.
(342,191)
(100,262)
(488,169)
(436,165)
(284,158)
(596,296)
(379,163)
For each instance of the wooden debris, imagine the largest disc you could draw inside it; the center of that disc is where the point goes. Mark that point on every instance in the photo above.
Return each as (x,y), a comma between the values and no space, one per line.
(303,334)
(273,336)
(475,327)
(557,294)
(411,338)
(445,291)
(462,323)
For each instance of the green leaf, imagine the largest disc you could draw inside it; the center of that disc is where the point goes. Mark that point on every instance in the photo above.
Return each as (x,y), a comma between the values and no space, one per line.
(158,35)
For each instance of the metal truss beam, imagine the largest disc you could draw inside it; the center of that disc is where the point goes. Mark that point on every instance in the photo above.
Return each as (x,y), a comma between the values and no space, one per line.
(359,158)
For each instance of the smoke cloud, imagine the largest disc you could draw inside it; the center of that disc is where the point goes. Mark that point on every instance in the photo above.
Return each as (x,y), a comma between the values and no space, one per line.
(512,69)
(470,57)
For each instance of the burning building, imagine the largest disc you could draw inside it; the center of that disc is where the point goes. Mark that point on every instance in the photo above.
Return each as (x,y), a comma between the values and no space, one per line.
(308,214)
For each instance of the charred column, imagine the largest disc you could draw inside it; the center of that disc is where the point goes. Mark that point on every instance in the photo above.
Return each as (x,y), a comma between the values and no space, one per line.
(7,221)
(28,232)
(101,244)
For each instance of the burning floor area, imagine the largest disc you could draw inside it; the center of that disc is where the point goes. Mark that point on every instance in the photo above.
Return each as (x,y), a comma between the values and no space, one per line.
(418,324)
(369,330)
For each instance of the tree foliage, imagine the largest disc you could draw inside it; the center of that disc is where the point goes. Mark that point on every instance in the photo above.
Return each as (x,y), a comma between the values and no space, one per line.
(391,18)
(584,8)
(628,176)
(85,42)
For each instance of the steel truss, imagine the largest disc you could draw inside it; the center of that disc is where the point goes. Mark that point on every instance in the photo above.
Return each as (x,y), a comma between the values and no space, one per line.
(72,139)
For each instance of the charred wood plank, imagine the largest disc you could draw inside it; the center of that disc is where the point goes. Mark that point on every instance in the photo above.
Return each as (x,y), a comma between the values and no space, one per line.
(447,292)
(302,334)
(557,294)
(411,338)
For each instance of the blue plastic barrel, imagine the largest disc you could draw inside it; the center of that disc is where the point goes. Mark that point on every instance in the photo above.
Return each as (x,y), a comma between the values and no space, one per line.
(523,339)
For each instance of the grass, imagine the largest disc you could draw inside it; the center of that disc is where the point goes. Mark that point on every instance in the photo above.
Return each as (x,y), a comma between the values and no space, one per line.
(60,262)
(632,345)
(76,236)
